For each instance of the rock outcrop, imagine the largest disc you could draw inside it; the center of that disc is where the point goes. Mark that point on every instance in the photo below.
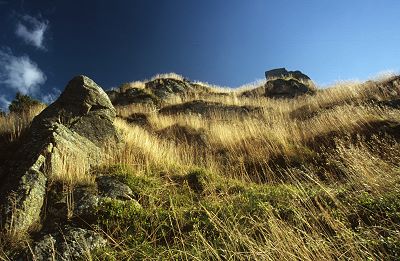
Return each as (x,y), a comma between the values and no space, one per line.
(68,244)
(87,201)
(167,88)
(282,84)
(83,108)
(109,187)
(206,108)
(283,73)
(75,127)
(157,91)
(132,96)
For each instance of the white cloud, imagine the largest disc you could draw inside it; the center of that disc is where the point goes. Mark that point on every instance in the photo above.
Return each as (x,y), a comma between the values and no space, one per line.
(4,102)
(20,73)
(51,96)
(32,30)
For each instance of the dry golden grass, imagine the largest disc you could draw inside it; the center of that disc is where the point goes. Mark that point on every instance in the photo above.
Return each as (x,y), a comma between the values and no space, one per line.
(73,169)
(130,85)
(285,183)
(303,131)
(283,128)
(168,75)
(153,150)
(13,124)
(275,132)
(214,88)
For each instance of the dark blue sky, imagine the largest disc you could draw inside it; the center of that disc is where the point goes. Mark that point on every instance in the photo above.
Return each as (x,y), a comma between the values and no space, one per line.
(45,43)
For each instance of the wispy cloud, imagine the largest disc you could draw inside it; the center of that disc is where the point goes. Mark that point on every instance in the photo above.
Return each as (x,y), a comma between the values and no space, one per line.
(32,30)
(4,102)
(20,73)
(51,96)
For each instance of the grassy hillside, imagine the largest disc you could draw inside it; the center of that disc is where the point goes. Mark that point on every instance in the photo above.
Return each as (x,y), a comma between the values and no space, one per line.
(249,178)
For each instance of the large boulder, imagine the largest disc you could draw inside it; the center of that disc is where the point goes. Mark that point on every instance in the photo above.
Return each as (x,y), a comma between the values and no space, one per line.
(283,73)
(73,130)
(165,88)
(83,108)
(281,88)
(282,84)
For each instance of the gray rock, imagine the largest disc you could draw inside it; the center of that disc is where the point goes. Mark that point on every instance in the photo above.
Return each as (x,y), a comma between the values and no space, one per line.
(167,88)
(279,88)
(69,244)
(86,203)
(207,108)
(113,188)
(283,73)
(84,108)
(131,96)
(23,206)
(72,129)
(157,92)
(44,250)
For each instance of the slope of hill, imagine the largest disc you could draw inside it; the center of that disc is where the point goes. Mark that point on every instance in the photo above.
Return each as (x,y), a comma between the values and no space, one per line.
(199,173)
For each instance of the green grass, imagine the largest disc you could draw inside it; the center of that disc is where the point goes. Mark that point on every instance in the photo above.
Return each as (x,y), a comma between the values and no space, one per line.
(198,218)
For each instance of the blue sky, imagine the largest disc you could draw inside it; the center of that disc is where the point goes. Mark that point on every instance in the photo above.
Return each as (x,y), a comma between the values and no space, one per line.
(43,44)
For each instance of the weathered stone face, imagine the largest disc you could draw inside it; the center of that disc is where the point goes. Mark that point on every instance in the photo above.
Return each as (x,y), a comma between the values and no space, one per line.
(164,88)
(282,84)
(157,92)
(25,202)
(283,73)
(83,107)
(69,244)
(132,96)
(76,126)
(112,188)
(280,88)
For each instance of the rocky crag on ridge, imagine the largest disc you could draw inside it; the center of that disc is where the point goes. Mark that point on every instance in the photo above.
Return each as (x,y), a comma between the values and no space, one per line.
(76,128)
(157,91)
(64,221)
(281,83)
(73,130)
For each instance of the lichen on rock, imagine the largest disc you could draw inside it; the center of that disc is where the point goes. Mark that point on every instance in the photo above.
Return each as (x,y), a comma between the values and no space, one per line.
(76,126)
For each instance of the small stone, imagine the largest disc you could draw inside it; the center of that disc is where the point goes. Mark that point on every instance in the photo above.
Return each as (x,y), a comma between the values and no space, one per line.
(69,244)
(113,188)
